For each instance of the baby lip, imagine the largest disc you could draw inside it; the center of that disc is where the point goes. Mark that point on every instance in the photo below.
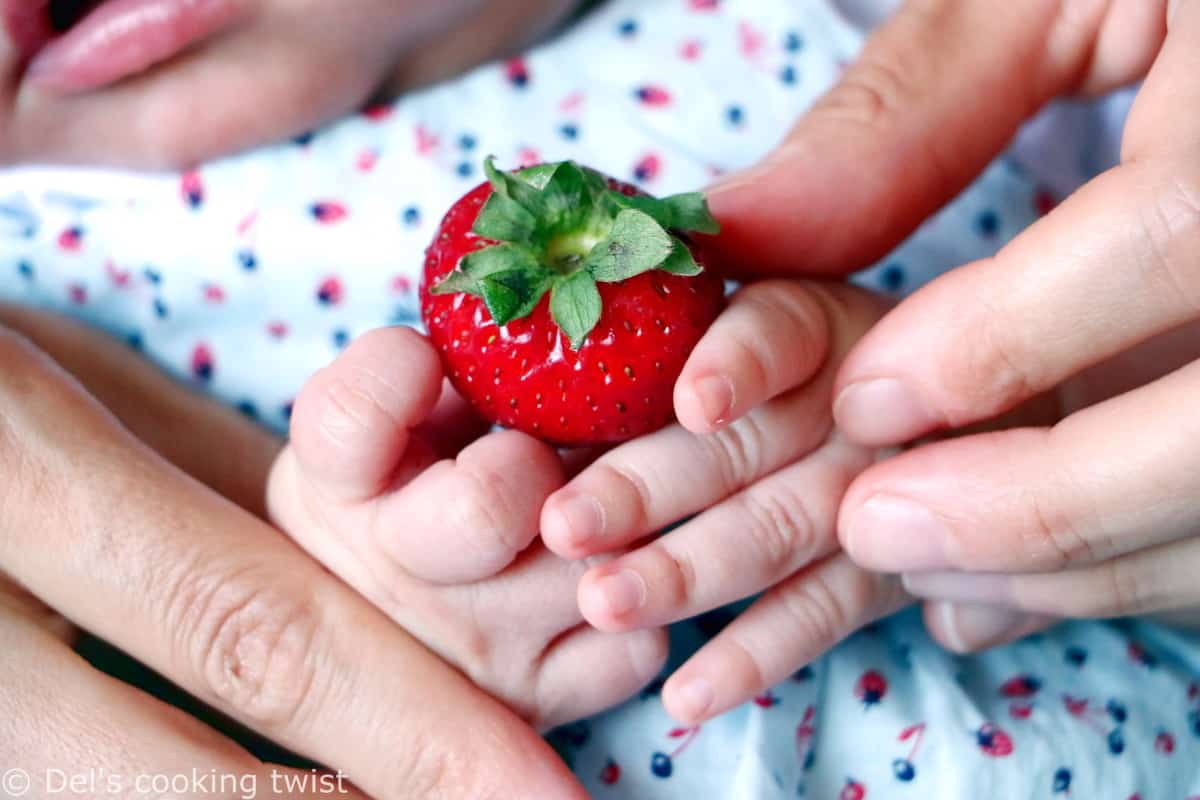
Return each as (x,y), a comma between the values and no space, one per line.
(26,25)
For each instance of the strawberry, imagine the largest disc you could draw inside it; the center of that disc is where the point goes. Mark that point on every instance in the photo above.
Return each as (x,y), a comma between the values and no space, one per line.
(565,304)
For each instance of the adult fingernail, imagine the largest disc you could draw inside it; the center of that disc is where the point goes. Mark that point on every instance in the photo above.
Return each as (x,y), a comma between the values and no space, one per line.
(962,586)
(882,411)
(733,181)
(694,698)
(894,534)
(623,592)
(968,627)
(575,519)
(715,393)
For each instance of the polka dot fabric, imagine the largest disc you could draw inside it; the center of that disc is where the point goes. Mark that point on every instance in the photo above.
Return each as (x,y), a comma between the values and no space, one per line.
(243,276)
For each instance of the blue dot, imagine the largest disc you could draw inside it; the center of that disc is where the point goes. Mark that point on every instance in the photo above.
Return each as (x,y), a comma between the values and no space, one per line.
(1062,780)
(248,409)
(160,309)
(903,769)
(467,142)
(135,341)
(805,673)
(152,275)
(304,139)
(660,765)
(248,260)
(25,270)
(628,27)
(893,277)
(341,338)
(1076,656)
(577,734)
(1193,718)
(1116,742)
(466,169)
(1116,710)
(412,216)
(569,131)
(793,42)
(988,223)
(788,75)
(736,115)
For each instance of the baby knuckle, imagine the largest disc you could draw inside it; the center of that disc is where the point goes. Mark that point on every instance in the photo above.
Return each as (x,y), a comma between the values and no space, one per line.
(427,768)
(780,530)
(819,614)
(737,451)
(253,646)
(678,574)
(870,92)
(630,486)
(485,514)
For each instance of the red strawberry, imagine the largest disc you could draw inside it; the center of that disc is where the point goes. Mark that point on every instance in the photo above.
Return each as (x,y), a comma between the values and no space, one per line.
(565,304)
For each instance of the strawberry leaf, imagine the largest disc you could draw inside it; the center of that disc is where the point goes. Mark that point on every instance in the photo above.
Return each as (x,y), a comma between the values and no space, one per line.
(681,261)
(505,220)
(514,188)
(513,294)
(681,212)
(636,244)
(507,277)
(575,306)
(566,198)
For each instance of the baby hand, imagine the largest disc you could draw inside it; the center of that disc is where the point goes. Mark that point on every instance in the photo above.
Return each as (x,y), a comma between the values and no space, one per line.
(757,458)
(390,482)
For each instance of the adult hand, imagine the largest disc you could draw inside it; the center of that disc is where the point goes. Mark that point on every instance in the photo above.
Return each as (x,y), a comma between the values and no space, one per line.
(1096,515)
(122,544)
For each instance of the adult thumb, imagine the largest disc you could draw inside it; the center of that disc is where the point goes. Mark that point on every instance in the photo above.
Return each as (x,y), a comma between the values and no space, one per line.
(936,93)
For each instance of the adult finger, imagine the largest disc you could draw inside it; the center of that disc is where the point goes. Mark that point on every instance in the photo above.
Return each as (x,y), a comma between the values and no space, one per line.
(215,600)
(63,719)
(966,627)
(744,545)
(1156,579)
(1110,479)
(654,481)
(815,609)
(933,97)
(352,421)
(999,331)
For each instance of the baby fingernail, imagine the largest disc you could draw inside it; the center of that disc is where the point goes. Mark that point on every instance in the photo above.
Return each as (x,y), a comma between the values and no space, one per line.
(696,696)
(969,627)
(882,411)
(623,592)
(577,519)
(893,534)
(715,393)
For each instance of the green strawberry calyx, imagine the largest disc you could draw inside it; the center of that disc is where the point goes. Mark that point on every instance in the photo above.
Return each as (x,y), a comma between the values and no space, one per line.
(559,228)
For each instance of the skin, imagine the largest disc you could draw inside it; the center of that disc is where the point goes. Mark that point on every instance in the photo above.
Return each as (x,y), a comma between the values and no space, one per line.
(127,524)
(288,66)
(1053,474)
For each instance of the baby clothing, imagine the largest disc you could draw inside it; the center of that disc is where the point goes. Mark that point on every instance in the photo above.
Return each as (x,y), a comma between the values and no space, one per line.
(245,275)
